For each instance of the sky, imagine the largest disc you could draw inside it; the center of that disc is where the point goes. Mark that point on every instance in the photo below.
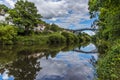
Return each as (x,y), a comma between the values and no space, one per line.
(71,14)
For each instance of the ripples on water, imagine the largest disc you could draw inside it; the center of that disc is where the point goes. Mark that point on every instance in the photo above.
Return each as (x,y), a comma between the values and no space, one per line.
(65,65)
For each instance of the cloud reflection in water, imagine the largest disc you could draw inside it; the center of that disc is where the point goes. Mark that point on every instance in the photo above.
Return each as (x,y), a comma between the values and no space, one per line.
(67,66)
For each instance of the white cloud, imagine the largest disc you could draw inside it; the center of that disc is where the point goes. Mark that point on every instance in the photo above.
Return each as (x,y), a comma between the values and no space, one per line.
(9,3)
(91,33)
(66,65)
(50,8)
(59,9)
(68,11)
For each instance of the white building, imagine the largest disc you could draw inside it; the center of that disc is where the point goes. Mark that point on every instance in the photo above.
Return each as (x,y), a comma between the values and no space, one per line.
(3,17)
(39,28)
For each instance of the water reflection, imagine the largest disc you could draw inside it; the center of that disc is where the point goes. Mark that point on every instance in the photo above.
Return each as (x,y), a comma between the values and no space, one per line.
(48,63)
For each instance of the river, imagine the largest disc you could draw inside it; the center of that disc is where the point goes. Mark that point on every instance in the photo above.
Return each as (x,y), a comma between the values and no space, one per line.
(51,63)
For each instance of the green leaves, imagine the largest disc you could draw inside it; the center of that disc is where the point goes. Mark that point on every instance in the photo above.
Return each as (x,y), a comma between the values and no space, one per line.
(109,17)
(108,67)
(25,14)
(7,34)
(109,32)
(5,8)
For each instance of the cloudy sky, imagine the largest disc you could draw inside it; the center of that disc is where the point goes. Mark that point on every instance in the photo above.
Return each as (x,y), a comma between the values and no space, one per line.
(72,14)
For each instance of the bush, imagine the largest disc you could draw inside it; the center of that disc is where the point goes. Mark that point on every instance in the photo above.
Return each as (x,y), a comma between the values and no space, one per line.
(55,28)
(7,34)
(84,37)
(56,39)
(108,67)
(31,40)
(70,37)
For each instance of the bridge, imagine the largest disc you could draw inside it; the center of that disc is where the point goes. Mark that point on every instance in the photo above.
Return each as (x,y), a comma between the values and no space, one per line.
(87,52)
(79,30)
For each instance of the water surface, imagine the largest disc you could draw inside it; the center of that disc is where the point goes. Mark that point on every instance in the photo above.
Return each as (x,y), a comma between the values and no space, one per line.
(52,63)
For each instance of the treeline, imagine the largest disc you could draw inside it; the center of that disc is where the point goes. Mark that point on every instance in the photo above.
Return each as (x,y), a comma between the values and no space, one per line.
(107,14)
(26,18)
(68,38)
(9,35)
(24,26)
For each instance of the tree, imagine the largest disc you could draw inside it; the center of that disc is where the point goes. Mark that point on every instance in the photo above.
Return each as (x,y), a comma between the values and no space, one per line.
(7,34)
(25,15)
(5,8)
(108,37)
(108,13)
(55,28)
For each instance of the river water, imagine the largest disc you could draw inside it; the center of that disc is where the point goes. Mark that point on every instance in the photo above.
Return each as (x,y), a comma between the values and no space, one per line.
(51,63)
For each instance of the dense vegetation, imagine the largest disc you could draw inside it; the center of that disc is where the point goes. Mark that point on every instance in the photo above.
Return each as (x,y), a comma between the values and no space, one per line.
(3,7)
(107,13)
(24,15)
(7,34)
(25,18)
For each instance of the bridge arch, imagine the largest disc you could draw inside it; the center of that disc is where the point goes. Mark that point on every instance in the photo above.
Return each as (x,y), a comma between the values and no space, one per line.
(80,30)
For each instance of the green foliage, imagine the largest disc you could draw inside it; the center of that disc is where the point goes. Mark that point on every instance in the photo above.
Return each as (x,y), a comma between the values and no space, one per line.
(84,37)
(5,8)
(52,28)
(108,67)
(7,34)
(108,12)
(108,18)
(56,39)
(70,37)
(55,28)
(93,7)
(25,15)
(31,40)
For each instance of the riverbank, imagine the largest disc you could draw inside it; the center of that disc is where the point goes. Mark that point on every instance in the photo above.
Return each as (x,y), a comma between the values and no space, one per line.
(12,35)
(109,61)
(52,39)
(106,13)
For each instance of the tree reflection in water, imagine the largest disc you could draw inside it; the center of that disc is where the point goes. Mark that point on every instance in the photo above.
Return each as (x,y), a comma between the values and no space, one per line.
(25,64)
(25,68)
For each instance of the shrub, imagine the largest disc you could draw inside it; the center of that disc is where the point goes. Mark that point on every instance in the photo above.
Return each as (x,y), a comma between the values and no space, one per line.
(84,37)
(108,67)
(70,37)
(31,40)
(7,34)
(56,39)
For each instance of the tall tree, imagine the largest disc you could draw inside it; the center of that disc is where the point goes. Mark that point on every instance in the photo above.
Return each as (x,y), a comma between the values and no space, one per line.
(108,13)
(25,15)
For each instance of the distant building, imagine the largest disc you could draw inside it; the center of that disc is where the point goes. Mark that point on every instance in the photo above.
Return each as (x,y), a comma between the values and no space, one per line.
(39,28)
(2,12)
(3,16)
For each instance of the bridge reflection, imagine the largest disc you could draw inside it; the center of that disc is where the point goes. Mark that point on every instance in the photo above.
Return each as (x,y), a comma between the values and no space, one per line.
(93,51)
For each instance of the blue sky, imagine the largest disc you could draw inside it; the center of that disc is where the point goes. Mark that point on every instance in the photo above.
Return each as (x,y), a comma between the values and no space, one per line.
(72,14)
